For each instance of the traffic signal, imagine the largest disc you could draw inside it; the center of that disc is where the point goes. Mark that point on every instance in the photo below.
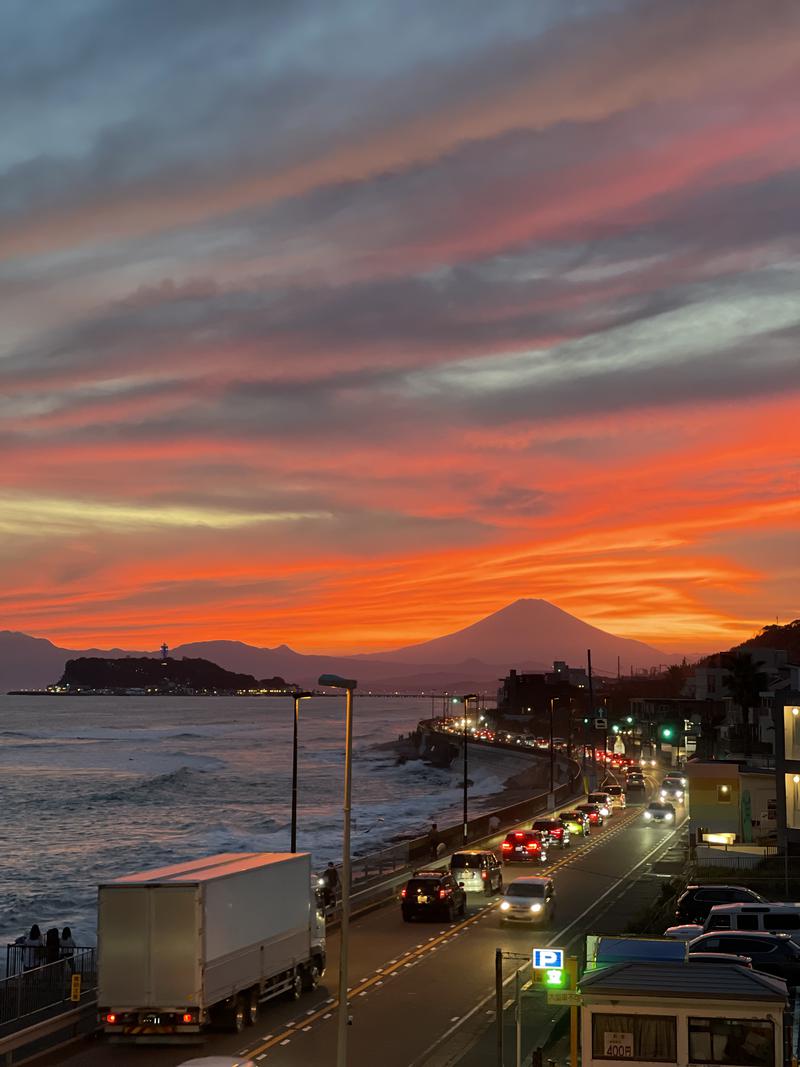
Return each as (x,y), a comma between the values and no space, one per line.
(669,732)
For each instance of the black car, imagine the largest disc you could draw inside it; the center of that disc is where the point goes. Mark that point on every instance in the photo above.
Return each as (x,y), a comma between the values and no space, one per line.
(696,901)
(524,846)
(553,831)
(433,895)
(774,954)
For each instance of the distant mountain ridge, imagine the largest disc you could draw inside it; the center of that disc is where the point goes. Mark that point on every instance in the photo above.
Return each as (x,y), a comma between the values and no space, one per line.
(526,635)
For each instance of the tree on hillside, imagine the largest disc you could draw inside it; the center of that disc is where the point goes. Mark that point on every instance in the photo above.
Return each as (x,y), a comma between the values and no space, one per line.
(745,682)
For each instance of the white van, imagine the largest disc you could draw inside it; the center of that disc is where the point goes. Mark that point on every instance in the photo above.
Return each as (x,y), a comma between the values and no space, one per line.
(773,917)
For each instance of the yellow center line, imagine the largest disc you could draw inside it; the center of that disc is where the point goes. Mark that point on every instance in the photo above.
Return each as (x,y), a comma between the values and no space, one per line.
(417,953)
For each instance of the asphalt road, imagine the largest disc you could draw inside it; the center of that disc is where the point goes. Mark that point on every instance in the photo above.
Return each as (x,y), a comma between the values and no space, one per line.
(422,992)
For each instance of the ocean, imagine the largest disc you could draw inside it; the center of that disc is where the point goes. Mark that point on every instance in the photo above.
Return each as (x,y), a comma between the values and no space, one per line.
(96,787)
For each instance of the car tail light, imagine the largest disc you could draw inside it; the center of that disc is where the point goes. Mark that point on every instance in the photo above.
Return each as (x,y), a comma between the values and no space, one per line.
(519,835)
(111,1018)
(506,846)
(442,894)
(187,1018)
(403,892)
(484,875)
(558,832)
(533,846)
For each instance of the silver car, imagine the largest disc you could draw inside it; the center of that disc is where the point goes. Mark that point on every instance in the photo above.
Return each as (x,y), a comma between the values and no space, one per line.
(529,900)
(478,870)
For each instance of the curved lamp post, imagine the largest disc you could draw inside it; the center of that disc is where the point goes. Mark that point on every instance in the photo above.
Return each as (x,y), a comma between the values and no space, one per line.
(348,684)
(465,701)
(297,697)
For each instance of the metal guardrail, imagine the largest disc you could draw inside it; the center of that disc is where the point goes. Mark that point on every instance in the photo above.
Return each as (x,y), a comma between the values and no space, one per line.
(69,1020)
(30,991)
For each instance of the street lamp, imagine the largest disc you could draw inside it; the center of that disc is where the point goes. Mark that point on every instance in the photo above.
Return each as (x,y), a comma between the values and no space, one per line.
(297,697)
(348,684)
(552,748)
(465,701)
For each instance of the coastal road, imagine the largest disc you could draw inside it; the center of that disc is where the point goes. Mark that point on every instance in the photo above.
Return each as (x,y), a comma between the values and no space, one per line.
(422,990)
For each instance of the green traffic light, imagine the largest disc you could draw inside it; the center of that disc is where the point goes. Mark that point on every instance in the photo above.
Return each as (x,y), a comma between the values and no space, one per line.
(615,728)
(666,732)
(629,720)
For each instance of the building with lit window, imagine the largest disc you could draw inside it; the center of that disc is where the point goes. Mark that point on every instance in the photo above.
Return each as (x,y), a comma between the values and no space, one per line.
(787,769)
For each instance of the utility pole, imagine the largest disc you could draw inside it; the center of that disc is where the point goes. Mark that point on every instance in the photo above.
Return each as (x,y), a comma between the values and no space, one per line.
(498,1003)
(591,709)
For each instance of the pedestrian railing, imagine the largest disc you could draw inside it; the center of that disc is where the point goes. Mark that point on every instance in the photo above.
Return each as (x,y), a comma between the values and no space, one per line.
(29,991)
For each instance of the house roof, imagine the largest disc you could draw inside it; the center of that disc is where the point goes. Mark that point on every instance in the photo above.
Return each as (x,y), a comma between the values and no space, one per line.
(690,980)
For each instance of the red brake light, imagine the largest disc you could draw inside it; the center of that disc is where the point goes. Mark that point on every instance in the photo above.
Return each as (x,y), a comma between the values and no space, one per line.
(506,846)
(519,835)
(442,894)
(111,1017)
(187,1018)
(403,892)
(533,846)
(484,875)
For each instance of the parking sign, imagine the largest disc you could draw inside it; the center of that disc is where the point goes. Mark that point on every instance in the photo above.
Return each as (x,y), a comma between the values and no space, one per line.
(545,959)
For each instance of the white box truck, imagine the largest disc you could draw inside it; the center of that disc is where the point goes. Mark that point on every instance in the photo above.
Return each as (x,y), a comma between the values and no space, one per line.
(204,943)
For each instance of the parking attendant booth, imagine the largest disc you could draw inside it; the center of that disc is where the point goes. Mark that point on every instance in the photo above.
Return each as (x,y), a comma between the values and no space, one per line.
(700,1014)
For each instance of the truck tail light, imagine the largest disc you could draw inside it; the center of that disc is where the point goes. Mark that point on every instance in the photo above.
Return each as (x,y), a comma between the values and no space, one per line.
(111,1018)
(187,1017)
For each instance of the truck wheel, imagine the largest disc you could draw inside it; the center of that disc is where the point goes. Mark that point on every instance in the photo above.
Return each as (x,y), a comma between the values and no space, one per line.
(310,977)
(296,988)
(252,1008)
(237,1018)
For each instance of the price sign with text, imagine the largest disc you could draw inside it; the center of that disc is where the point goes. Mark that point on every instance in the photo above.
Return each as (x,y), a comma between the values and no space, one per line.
(618,1045)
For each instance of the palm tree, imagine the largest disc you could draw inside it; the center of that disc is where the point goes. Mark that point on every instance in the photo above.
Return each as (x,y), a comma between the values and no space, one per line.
(745,682)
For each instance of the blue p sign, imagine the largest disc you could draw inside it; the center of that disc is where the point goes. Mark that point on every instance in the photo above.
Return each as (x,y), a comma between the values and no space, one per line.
(545,959)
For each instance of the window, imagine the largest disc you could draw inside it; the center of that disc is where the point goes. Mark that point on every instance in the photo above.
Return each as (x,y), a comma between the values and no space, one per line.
(463,860)
(523,889)
(719,922)
(782,920)
(752,946)
(653,1036)
(746,1042)
(747,922)
(791,731)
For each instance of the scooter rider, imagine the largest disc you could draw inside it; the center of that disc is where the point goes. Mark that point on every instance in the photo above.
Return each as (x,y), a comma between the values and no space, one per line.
(330,885)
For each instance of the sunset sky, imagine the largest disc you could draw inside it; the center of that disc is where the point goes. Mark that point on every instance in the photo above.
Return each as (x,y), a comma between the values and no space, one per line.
(346,324)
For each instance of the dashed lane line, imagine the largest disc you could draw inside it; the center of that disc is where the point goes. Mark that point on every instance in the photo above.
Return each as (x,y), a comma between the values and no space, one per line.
(414,955)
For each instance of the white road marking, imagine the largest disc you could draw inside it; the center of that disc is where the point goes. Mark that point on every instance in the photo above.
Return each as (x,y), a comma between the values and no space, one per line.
(556,938)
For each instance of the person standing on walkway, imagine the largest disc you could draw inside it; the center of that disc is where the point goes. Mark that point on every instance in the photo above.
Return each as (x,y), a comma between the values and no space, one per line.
(67,948)
(433,841)
(33,952)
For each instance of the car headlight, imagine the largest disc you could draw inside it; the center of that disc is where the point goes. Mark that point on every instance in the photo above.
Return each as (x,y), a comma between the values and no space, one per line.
(669,816)
(536,907)
(663,794)
(648,815)
(505,906)
(678,794)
